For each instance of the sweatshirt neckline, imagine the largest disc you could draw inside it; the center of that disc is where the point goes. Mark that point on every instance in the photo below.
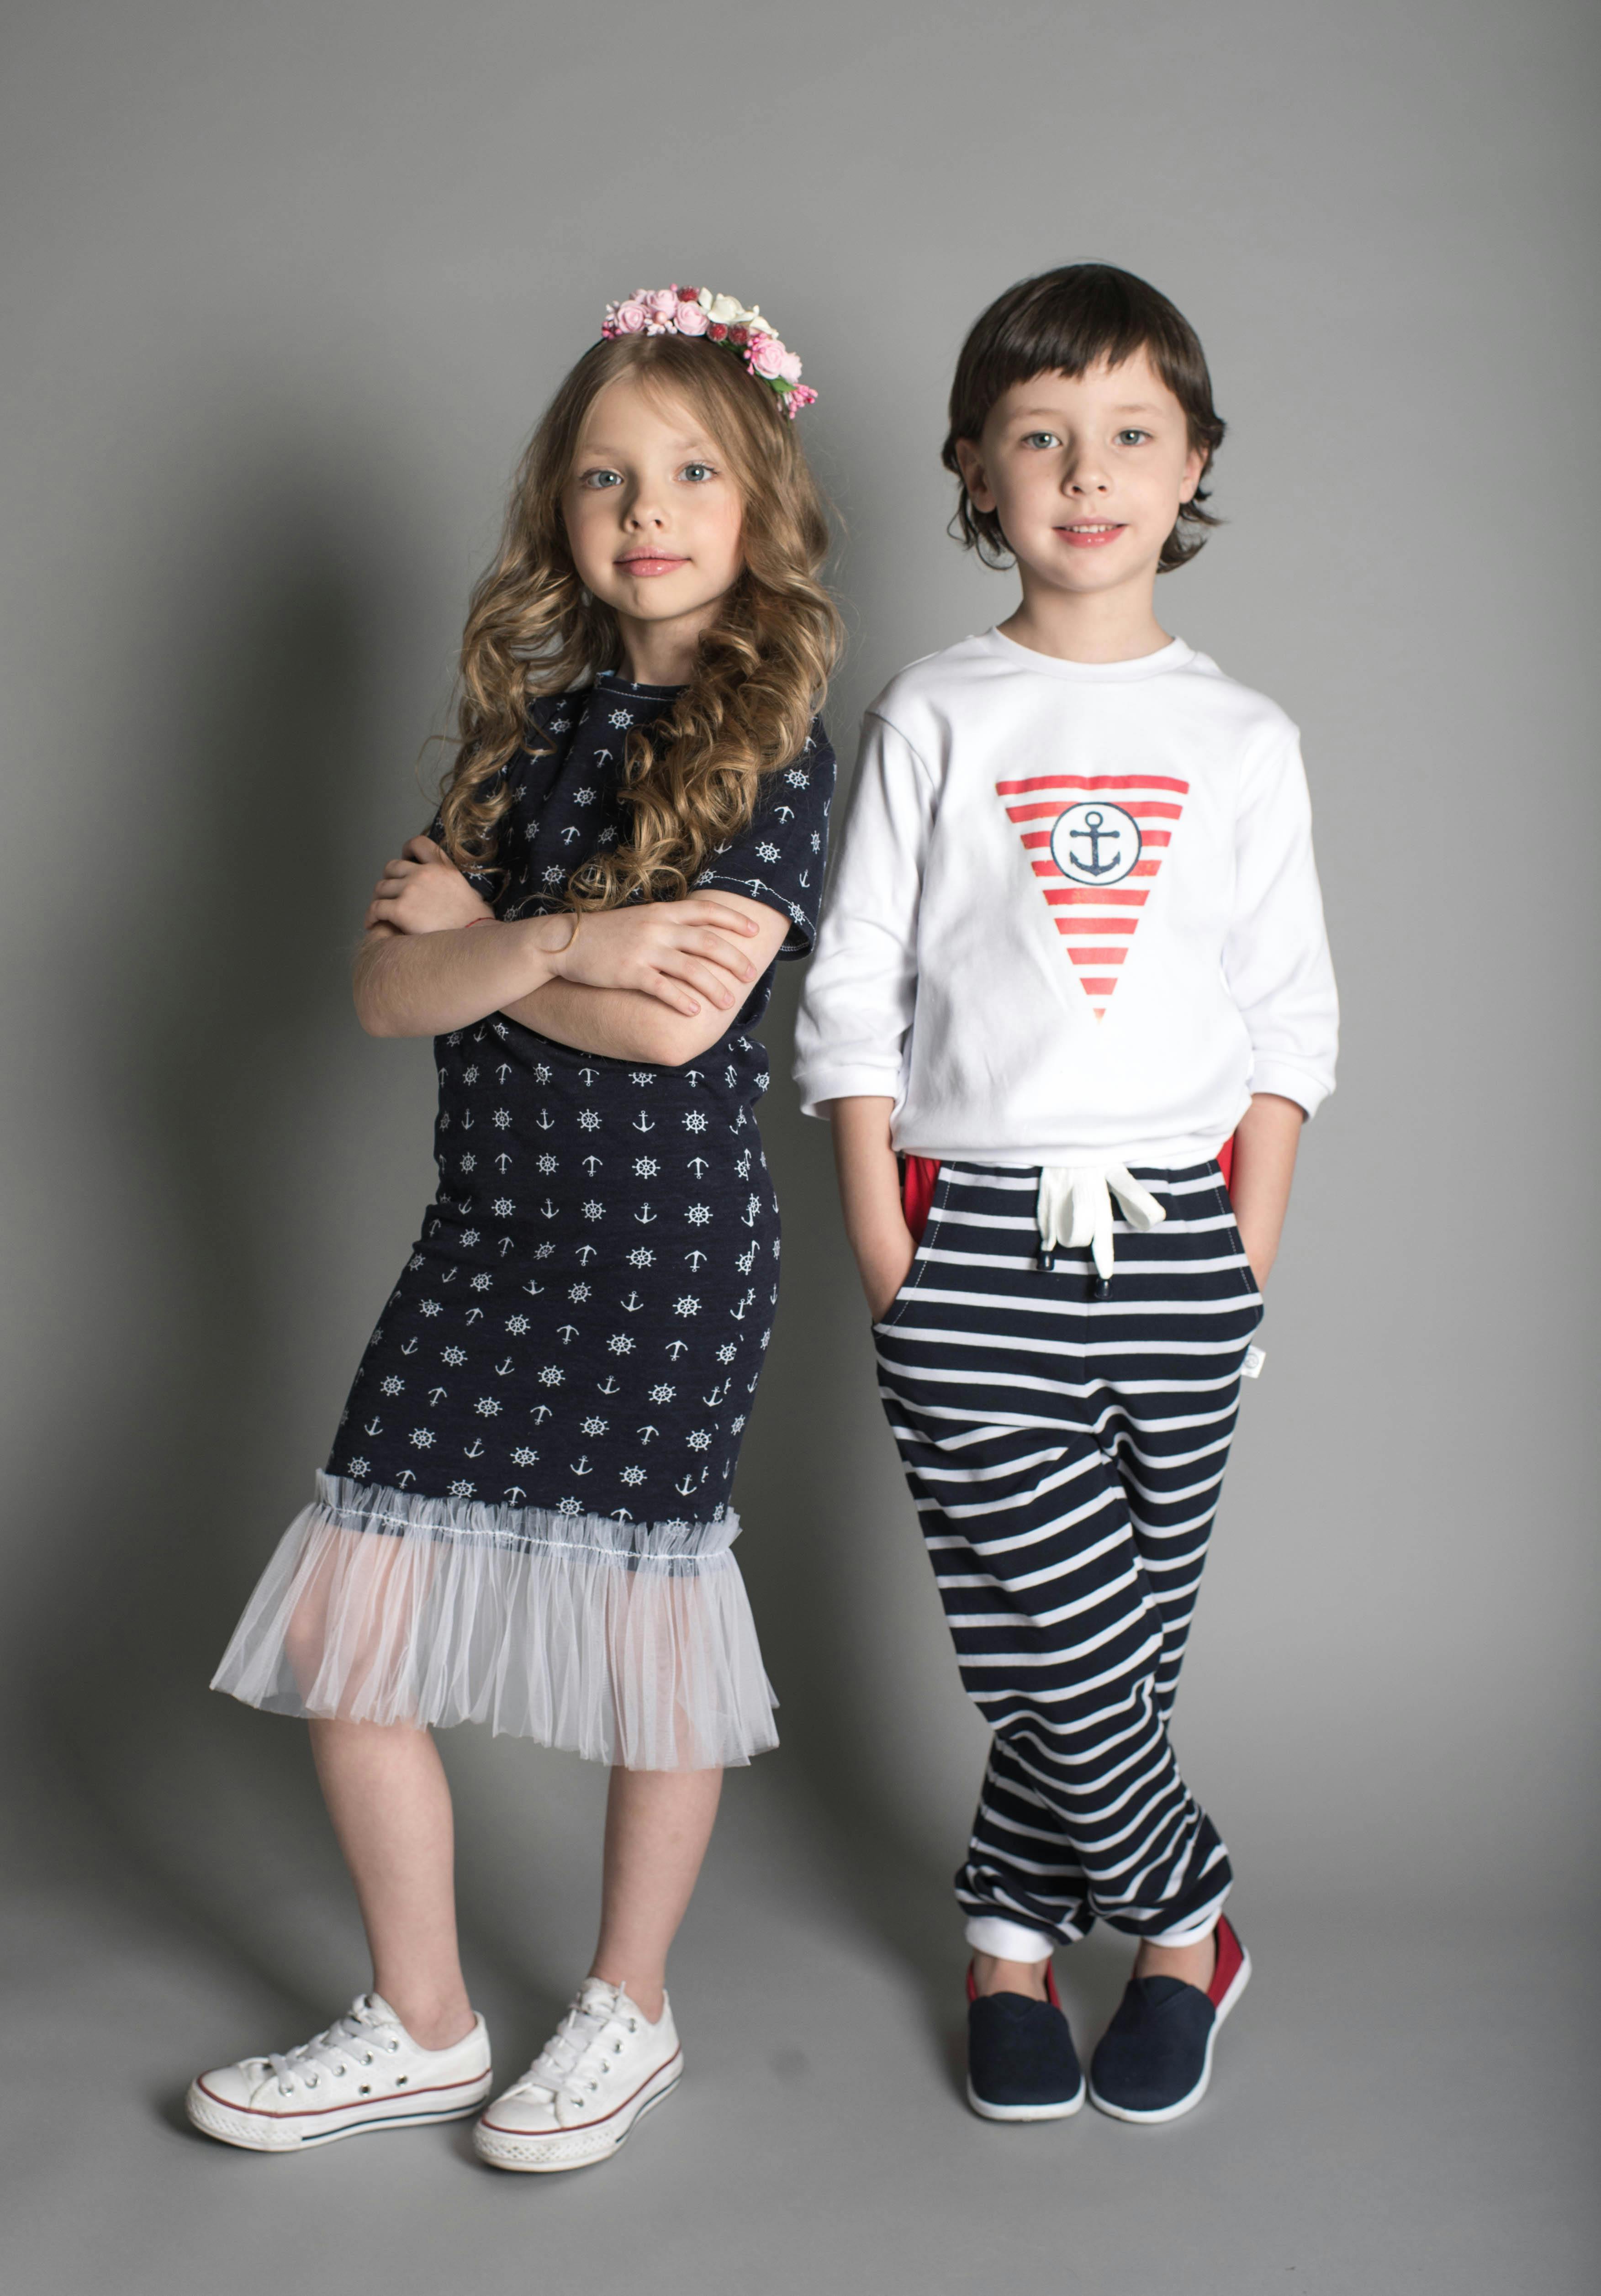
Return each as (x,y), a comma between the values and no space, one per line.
(1175,655)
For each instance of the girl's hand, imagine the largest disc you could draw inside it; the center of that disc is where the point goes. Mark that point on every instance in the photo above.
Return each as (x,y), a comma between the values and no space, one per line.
(423,891)
(685,953)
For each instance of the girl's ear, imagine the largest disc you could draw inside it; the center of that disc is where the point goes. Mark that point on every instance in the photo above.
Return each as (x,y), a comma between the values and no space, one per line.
(970,462)
(1195,469)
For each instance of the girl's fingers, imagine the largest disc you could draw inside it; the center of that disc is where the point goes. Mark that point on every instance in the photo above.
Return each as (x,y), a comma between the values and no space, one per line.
(718,952)
(424,849)
(699,947)
(669,992)
(707,982)
(718,914)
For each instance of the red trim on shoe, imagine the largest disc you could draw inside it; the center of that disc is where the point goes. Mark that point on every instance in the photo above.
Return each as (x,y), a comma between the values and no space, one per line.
(575,2127)
(1230,1960)
(321,2111)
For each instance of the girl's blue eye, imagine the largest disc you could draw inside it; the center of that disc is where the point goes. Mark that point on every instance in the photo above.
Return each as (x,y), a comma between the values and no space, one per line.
(698,470)
(599,478)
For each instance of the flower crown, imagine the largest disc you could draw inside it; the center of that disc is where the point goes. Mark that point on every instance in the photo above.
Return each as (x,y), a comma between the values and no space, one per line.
(721,319)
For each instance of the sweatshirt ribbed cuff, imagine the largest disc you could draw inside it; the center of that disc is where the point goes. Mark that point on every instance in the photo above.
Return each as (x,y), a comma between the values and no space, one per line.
(818,1084)
(1290,1082)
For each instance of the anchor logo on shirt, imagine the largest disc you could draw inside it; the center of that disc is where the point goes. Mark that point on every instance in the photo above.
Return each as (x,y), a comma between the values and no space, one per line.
(1095,842)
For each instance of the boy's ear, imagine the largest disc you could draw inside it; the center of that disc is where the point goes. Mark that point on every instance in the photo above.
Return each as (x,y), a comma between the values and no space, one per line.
(1194,471)
(970,462)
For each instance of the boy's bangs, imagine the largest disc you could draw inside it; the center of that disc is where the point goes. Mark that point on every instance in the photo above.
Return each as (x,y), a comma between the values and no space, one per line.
(1069,335)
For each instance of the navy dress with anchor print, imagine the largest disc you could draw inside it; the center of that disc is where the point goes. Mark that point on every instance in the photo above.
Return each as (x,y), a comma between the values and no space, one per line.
(524,1517)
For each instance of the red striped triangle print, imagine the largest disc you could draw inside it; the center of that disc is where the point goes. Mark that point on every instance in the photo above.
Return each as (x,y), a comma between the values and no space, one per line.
(1097,842)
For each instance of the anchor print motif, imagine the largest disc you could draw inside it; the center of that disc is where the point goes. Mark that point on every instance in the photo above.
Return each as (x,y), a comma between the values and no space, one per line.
(563,1351)
(1097,843)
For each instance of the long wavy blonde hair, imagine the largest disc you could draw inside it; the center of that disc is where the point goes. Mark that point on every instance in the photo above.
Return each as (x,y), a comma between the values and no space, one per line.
(690,781)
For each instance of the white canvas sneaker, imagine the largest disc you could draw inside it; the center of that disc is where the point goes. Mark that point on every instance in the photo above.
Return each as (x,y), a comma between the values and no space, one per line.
(603,2067)
(365,2072)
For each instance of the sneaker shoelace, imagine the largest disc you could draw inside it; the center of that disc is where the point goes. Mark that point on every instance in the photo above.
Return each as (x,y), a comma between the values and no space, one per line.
(348,2043)
(573,2058)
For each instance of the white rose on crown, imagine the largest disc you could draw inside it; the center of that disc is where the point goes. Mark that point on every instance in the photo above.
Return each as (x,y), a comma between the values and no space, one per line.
(728,311)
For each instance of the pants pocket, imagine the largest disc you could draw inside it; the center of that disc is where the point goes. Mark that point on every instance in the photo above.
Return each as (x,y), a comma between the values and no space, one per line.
(914,1277)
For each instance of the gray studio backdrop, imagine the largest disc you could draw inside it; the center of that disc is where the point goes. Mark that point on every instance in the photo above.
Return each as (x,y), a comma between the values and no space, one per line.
(287,287)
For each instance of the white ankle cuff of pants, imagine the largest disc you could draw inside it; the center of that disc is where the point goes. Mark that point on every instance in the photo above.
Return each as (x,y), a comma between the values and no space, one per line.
(1011,1942)
(1005,1940)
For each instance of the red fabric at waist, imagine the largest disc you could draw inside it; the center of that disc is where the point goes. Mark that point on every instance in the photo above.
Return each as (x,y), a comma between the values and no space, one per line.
(917,1178)
(919,1174)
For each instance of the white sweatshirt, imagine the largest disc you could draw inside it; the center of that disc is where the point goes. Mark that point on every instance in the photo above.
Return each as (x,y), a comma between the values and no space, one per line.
(1075,919)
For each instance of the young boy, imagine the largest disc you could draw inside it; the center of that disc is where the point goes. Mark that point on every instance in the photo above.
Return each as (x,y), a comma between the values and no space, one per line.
(1074,948)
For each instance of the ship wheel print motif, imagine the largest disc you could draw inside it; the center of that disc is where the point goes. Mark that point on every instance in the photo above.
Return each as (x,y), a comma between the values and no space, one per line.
(1097,843)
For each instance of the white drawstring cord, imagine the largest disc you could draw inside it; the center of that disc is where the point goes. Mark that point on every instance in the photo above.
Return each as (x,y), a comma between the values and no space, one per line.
(1075,1210)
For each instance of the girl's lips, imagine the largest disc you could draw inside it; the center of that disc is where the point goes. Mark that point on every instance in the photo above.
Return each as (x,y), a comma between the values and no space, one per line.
(1078,538)
(652,565)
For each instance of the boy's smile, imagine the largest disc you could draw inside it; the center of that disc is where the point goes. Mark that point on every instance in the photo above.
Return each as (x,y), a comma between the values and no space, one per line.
(1087,537)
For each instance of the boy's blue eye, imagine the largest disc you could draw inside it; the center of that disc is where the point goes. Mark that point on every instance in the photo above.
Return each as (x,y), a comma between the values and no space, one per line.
(1041,439)
(1125,436)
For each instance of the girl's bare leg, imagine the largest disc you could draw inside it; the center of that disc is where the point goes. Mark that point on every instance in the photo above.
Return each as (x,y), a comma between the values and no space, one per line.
(658,1824)
(387,1795)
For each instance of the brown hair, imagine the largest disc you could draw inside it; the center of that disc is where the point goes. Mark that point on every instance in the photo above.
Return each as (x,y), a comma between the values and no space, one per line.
(1063,323)
(690,781)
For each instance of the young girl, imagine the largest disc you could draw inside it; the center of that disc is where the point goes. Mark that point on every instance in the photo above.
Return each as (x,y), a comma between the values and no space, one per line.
(524,1519)
(1075,944)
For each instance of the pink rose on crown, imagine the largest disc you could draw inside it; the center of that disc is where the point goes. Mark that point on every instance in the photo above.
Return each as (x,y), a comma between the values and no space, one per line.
(765,355)
(692,319)
(789,371)
(631,318)
(662,304)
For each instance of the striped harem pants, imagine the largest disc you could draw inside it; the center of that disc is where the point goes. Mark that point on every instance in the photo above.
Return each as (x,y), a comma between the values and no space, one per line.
(1065,1453)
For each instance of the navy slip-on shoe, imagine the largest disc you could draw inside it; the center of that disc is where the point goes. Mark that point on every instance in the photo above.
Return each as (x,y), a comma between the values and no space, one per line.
(1022,2064)
(1154,2059)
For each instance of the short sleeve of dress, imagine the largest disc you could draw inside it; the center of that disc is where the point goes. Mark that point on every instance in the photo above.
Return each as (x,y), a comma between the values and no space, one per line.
(780,857)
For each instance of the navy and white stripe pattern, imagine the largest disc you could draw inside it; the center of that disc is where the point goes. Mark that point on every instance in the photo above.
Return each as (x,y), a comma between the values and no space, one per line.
(1065,1453)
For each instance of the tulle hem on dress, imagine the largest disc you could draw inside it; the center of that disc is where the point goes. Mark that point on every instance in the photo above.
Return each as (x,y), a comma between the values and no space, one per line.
(628,1643)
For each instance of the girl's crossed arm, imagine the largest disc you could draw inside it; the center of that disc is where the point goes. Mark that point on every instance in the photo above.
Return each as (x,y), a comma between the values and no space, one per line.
(656,982)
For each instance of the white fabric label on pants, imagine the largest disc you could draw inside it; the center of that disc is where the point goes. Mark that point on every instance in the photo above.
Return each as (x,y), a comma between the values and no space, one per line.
(1251,1368)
